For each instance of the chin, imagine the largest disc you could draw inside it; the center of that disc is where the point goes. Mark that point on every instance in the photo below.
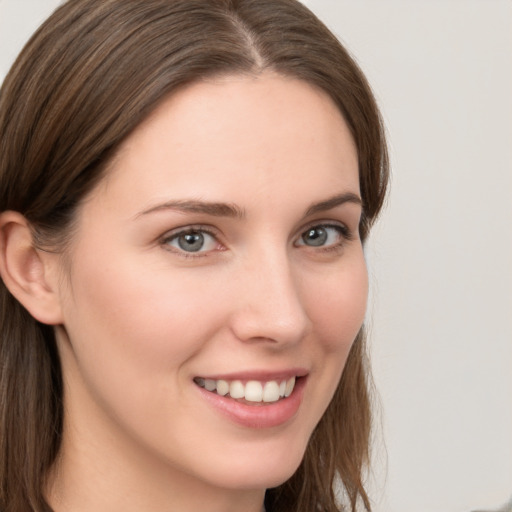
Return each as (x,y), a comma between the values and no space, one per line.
(264,478)
(262,471)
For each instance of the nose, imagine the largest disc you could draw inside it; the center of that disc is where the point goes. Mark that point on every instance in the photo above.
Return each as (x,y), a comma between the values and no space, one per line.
(270,306)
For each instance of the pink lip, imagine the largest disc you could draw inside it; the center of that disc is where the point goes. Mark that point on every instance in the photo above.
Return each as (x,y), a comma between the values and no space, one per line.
(257,416)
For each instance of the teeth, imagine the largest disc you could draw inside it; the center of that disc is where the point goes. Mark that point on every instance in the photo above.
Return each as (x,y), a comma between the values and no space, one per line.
(210,385)
(271,391)
(222,387)
(253,391)
(236,389)
(289,387)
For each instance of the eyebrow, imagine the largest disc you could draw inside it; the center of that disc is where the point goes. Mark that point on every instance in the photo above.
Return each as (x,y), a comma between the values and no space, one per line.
(329,204)
(196,206)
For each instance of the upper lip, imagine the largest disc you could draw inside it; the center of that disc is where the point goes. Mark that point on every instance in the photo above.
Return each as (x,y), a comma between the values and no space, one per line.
(258,375)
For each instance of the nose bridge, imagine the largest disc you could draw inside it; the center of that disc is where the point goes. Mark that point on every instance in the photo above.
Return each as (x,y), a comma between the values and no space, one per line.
(270,307)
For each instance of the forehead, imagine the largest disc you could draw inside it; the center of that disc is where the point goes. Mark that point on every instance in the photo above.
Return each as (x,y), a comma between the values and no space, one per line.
(238,134)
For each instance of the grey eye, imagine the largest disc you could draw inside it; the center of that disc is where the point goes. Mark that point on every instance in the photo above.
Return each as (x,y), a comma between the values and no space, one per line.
(324,235)
(191,241)
(315,237)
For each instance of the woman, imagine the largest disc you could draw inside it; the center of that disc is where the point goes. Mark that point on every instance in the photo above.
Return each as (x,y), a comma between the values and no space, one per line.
(185,188)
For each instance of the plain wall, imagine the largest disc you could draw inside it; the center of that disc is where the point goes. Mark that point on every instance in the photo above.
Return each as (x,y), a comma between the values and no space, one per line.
(440,259)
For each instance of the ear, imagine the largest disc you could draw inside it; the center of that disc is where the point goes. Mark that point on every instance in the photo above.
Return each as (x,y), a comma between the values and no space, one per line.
(29,273)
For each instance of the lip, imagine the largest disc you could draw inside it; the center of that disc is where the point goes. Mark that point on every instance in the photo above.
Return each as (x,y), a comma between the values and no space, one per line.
(258,416)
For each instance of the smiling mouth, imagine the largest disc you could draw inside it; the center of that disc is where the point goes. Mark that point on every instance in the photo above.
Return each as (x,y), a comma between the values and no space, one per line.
(252,392)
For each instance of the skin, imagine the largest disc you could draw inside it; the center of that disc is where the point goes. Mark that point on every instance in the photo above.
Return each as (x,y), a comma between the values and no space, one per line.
(141,317)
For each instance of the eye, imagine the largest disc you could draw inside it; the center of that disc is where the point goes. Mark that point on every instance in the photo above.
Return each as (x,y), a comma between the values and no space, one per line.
(324,236)
(192,241)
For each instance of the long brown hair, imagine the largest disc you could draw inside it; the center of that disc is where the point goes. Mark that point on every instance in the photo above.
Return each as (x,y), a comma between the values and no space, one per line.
(86,79)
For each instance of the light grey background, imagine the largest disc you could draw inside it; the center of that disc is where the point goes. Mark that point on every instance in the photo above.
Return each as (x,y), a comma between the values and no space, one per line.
(441,258)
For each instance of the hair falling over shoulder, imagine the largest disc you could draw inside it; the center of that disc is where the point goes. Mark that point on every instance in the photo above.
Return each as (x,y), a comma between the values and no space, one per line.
(86,79)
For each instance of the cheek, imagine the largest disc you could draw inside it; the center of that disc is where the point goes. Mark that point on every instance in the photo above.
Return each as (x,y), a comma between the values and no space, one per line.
(132,323)
(143,307)
(337,315)
(338,308)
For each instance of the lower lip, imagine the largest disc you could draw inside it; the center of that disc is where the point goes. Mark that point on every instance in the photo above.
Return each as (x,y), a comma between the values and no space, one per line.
(258,416)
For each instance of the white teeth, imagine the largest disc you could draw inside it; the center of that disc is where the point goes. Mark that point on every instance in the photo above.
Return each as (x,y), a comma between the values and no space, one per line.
(253,391)
(271,391)
(222,387)
(289,387)
(236,389)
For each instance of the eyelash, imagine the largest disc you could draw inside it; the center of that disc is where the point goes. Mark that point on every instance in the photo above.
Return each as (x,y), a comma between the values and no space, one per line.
(344,232)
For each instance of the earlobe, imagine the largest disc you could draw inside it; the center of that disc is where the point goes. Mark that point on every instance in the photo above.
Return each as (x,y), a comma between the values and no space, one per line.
(28,273)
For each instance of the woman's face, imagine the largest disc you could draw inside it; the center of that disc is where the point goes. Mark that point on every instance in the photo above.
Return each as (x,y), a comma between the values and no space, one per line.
(220,250)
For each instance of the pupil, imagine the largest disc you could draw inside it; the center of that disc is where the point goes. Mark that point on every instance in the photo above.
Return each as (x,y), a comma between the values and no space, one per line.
(315,236)
(191,242)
